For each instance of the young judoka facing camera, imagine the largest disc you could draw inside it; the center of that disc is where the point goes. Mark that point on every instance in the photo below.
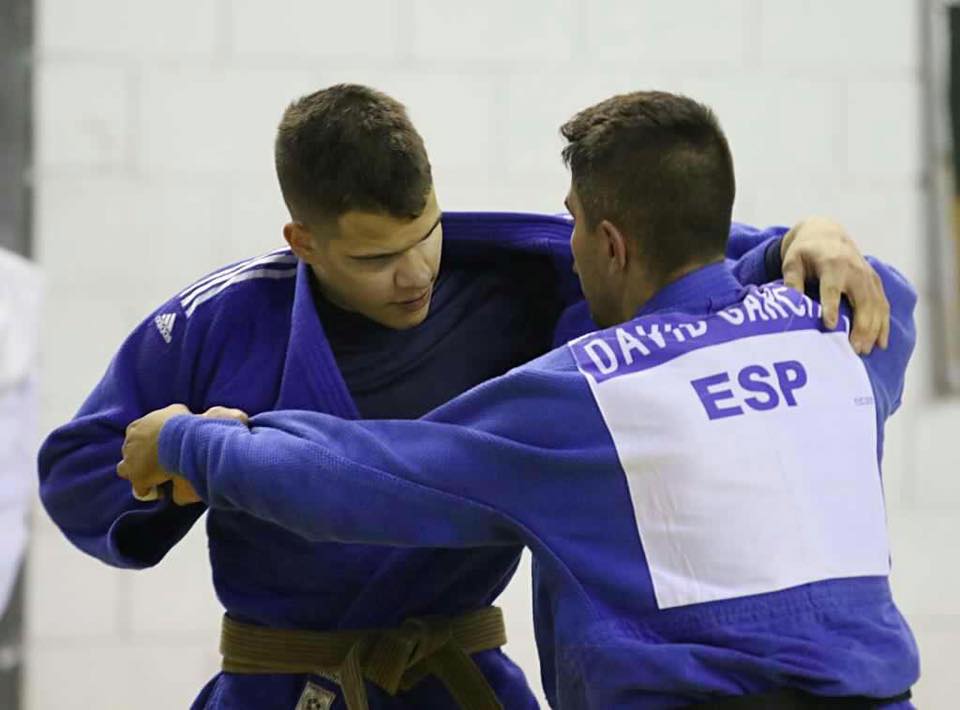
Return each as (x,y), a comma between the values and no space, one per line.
(699,482)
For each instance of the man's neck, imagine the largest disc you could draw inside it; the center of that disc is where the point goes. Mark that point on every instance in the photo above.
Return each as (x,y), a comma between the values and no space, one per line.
(649,285)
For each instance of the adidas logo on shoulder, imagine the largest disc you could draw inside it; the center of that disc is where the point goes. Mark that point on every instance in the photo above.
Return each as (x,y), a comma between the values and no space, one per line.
(164,323)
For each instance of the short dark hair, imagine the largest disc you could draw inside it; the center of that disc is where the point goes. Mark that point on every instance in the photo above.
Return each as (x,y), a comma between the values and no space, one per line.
(350,147)
(658,166)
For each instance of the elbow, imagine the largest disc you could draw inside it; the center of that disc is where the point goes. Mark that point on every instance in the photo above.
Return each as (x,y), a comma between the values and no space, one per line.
(902,297)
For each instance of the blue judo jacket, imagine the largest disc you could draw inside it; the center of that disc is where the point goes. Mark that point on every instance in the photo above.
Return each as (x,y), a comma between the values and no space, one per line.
(700,488)
(249,336)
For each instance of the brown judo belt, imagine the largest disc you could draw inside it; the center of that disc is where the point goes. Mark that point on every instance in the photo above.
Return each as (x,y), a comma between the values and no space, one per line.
(395,659)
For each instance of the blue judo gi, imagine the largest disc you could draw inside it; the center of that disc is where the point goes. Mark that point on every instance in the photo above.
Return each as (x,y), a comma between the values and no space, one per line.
(700,488)
(249,336)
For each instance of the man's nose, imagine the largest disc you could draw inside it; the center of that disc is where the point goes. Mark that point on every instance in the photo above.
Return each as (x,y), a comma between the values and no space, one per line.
(414,271)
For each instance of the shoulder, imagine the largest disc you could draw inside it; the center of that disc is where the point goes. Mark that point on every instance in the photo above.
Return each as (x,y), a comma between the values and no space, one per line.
(229,301)
(557,361)
(274,271)
(555,374)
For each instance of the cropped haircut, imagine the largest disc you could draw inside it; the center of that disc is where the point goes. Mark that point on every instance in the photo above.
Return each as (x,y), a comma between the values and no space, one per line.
(658,166)
(350,147)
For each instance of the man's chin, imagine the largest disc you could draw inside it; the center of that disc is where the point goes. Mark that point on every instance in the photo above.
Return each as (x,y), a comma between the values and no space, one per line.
(399,319)
(411,322)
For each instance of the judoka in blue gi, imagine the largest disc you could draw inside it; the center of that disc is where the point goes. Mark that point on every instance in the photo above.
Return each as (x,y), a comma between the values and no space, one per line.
(699,483)
(360,317)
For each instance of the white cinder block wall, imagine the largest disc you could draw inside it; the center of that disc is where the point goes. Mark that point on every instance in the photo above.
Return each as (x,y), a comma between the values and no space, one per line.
(154,129)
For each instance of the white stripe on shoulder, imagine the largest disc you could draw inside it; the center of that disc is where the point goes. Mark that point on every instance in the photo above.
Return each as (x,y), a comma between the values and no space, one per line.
(282,258)
(237,278)
(224,269)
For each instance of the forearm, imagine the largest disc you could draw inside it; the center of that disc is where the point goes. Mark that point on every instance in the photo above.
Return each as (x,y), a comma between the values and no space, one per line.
(320,483)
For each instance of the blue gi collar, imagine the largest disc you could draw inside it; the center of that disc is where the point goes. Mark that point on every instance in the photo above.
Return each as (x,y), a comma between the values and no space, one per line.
(705,290)
(311,375)
(310,372)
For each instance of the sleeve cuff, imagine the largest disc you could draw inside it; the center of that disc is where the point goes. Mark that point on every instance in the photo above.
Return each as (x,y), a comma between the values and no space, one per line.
(170,442)
(185,444)
(773,262)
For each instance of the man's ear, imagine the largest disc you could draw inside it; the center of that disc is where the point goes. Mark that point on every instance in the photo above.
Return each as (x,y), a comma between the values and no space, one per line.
(617,247)
(300,241)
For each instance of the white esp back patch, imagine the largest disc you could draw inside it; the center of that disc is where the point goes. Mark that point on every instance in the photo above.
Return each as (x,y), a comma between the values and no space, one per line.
(751,464)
